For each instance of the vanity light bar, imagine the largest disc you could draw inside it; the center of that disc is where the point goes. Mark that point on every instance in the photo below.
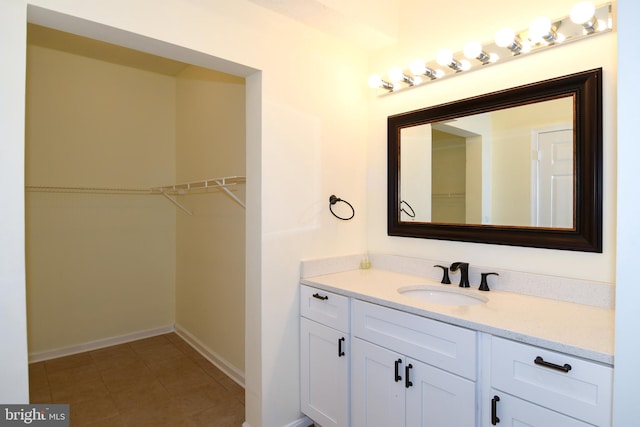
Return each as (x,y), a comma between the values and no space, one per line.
(585,20)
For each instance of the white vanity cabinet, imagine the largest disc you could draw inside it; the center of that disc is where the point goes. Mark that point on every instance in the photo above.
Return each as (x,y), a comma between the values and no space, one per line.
(410,371)
(377,365)
(324,356)
(540,388)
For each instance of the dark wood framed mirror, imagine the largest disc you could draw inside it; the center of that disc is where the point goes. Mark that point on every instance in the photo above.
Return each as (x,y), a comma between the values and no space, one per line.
(522,167)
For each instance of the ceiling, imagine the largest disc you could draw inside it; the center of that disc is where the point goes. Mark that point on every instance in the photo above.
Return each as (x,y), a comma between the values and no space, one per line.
(78,45)
(348,21)
(369,24)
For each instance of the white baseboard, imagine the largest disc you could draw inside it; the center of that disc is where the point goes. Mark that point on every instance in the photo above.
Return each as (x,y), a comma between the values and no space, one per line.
(222,364)
(302,422)
(98,344)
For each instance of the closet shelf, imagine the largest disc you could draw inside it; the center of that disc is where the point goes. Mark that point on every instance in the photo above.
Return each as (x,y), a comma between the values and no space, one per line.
(186,187)
(167,191)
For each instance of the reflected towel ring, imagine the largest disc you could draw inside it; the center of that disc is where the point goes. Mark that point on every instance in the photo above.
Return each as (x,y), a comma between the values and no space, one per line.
(412,214)
(333,200)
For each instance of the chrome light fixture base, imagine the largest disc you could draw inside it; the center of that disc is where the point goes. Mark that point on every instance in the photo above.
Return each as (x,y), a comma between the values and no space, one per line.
(586,20)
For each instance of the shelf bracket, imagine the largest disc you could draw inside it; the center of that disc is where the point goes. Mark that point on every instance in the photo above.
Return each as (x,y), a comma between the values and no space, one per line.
(175,202)
(224,188)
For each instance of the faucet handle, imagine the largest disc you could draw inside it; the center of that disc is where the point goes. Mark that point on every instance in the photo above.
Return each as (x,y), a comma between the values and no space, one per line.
(484,286)
(445,274)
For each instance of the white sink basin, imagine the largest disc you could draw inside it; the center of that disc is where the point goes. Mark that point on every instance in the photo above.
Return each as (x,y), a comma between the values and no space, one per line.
(440,295)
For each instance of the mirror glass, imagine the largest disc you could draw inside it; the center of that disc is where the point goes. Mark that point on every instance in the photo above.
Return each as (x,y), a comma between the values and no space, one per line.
(521,167)
(513,166)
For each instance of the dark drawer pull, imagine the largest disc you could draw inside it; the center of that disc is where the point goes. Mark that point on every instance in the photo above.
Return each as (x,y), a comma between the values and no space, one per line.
(397,374)
(340,351)
(494,410)
(540,361)
(320,297)
(407,382)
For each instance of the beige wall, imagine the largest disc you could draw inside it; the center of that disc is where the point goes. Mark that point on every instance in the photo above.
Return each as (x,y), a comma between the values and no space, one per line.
(98,266)
(448,175)
(210,285)
(101,266)
(474,169)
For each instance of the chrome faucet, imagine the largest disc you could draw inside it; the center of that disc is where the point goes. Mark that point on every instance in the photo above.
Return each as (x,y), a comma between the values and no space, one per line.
(464,272)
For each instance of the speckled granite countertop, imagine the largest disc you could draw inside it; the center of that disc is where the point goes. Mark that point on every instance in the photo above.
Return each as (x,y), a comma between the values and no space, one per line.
(580,330)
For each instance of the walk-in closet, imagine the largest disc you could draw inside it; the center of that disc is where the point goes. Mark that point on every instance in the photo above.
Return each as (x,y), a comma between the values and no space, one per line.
(135,190)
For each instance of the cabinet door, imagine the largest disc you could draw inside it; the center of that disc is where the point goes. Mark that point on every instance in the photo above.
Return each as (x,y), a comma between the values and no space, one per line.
(513,412)
(324,371)
(377,393)
(436,398)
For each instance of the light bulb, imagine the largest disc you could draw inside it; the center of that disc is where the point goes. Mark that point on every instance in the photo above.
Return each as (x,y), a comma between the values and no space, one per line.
(472,50)
(540,30)
(375,81)
(505,37)
(395,74)
(417,67)
(602,25)
(444,57)
(582,12)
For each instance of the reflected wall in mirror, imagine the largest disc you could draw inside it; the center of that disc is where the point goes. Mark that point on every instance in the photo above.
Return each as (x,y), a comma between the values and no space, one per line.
(520,167)
(531,184)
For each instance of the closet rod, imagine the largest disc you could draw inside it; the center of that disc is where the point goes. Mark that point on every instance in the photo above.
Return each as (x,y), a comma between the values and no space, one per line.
(166,191)
(93,190)
(448,195)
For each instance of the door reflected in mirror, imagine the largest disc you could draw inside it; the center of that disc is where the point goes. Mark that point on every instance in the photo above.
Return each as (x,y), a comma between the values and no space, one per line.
(512,167)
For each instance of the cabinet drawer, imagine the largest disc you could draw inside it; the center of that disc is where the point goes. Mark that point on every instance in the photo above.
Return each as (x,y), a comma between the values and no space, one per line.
(583,391)
(439,344)
(325,307)
(512,411)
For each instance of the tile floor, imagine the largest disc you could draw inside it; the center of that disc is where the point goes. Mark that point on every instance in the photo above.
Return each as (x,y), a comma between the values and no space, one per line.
(158,381)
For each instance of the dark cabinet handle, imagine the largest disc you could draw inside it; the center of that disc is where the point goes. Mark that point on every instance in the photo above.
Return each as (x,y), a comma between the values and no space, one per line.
(540,361)
(494,410)
(407,383)
(320,297)
(340,351)
(397,375)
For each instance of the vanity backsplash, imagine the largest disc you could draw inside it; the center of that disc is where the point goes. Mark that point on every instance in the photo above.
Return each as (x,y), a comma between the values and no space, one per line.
(577,291)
